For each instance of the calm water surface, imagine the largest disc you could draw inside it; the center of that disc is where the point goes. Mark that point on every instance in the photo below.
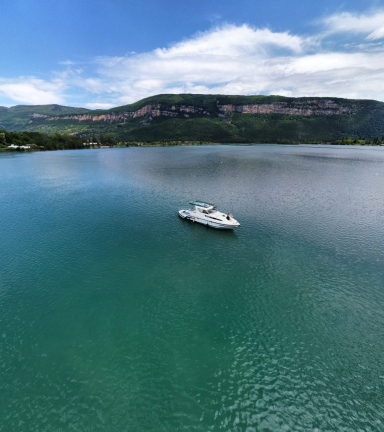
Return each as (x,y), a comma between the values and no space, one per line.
(116,315)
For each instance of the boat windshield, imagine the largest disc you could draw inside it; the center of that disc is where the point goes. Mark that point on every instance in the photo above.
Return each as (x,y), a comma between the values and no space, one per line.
(210,211)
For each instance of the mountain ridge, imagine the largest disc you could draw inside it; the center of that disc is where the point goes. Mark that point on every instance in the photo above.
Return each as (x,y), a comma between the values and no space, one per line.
(221,118)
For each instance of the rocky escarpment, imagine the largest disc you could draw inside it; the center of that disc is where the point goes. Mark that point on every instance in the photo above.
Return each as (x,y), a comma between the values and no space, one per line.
(150,110)
(147,110)
(318,107)
(312,107)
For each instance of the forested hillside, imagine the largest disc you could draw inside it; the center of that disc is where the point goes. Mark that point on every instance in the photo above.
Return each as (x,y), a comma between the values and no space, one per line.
(216,118)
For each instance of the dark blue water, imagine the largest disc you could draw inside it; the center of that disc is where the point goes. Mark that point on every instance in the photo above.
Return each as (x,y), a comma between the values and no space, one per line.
(116,315)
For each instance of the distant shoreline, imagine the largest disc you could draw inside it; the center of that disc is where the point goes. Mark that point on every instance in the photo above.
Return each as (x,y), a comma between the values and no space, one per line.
(180,144)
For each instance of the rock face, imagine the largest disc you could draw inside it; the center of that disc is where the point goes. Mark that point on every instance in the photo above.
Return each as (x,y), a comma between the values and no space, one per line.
(306,108)
(113,117)
(152,110)
(318,107)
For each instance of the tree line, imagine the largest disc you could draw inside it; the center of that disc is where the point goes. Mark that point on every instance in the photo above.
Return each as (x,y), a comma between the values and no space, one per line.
(360,141)
(57,141)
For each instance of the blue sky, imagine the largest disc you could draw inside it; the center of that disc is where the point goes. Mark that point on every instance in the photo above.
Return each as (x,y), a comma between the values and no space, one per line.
(105,53)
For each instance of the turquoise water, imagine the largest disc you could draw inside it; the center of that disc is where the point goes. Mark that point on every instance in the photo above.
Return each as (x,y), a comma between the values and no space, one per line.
(116,315)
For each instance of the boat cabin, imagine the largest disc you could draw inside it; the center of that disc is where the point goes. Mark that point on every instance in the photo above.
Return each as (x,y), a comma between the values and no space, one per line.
(204,208)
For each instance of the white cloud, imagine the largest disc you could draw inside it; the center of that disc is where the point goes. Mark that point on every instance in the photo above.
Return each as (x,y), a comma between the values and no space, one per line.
(377,34)
(243,60)
(31,90)
(225,58)
(370,24)
(281,92)
(98,105)
(232,41)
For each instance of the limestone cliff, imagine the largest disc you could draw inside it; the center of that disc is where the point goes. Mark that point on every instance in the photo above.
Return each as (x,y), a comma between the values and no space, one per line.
(318,107)
(153,110)
(313,107)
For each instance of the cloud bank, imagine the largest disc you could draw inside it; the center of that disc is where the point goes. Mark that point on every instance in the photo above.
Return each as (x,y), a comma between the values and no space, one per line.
(31,90)
(344,58)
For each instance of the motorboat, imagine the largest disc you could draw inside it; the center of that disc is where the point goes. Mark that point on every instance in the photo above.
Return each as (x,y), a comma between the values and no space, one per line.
(207,214)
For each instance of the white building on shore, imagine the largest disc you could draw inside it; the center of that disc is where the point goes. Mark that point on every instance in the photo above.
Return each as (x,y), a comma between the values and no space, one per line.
(13,146)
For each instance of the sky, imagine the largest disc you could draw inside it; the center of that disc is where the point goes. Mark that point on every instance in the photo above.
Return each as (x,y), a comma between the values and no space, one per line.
(107,53)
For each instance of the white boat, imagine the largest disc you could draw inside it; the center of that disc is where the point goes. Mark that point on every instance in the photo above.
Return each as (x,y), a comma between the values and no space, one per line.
(207,214)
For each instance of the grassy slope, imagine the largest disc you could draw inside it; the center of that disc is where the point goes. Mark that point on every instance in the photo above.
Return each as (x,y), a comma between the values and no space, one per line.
(367,122)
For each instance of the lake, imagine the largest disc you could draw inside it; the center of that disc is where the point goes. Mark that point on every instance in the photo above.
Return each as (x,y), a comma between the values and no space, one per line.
(116,315)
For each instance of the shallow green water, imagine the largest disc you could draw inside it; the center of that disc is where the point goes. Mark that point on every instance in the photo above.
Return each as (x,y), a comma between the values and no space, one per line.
(116,315)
